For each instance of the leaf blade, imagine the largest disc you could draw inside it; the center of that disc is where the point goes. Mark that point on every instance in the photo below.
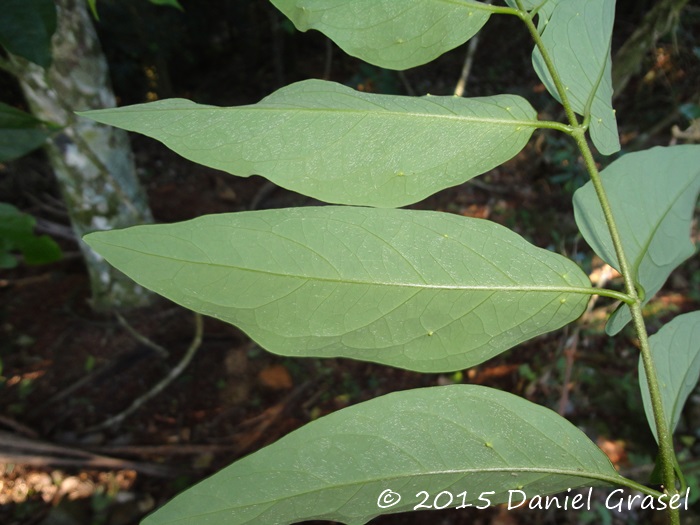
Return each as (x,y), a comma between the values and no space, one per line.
(654,221)
(170,3)
(26,28)
(20,133)
(339,145)
(675,351)
(419,290)
(17,234)
(456,438)
(584,66)
(390,34)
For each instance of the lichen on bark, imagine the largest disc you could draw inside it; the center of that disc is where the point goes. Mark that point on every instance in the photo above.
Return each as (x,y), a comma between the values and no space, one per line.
(93,163)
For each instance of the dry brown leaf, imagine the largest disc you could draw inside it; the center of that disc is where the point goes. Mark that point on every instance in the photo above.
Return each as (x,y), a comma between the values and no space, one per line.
(276,377)
(615,450)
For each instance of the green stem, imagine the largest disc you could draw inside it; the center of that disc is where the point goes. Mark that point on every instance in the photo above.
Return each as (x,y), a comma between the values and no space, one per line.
(495,9)
(613,294)
(631,484)
(592,169)
(550,124)
(666,451)
(561,88)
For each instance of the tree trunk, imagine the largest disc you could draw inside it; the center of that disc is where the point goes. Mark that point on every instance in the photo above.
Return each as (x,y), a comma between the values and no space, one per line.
(93,163)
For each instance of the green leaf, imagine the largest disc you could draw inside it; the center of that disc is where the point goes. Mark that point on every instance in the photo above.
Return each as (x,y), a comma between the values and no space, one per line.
(453,438)
(26,27)
(544,11)
(171,3)
(387,33)
(20,133)
(652,194)
(577,36)
(92,4)
(17,234)
(690,111)
(419,290)
(675,351)
(528,5)
(339,145)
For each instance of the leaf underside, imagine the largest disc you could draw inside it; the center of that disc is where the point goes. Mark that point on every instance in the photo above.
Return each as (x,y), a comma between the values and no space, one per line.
(425,291)
(544,10)
(675,350)
(455,438)
(652,194)
(387,33)
(338,145)
(583,63)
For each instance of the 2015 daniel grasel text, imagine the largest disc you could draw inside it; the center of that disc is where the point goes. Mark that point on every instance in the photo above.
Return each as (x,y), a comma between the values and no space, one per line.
(517,498)
(616,500)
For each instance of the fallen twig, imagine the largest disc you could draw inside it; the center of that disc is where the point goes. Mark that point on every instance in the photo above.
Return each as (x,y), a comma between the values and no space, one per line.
(468,62)
(270,416)
(21,450)
(162,352)
(131,357)
(162,450)
(263,193)
(18,427)
(160,386)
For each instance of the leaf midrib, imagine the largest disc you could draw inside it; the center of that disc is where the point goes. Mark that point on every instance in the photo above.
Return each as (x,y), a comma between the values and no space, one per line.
(517,288)
(613,480)
(365,112)
(652,234)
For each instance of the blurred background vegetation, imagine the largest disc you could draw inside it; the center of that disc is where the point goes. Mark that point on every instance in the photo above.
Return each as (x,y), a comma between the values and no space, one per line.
(65,369)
